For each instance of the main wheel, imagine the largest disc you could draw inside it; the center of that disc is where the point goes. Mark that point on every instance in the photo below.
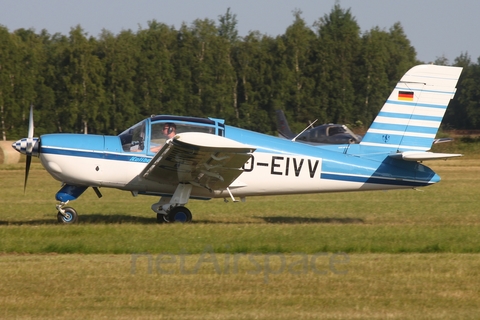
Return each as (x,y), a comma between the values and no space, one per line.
(179,214)
(70,216)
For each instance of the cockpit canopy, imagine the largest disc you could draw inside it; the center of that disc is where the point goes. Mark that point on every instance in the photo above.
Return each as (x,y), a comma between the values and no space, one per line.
(150,134)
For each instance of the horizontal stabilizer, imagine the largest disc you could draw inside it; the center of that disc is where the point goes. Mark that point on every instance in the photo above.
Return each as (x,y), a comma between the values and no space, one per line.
(421,156)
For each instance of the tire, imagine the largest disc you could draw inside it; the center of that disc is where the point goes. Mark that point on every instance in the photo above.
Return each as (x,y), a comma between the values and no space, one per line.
(161,218)
(179,214)
(70,217)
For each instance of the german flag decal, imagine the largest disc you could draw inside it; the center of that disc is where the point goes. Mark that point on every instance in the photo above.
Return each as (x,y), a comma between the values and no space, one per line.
(405,95)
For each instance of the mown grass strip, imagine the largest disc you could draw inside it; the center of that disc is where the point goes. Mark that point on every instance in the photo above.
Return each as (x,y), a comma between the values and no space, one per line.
(374,286)
(241,238)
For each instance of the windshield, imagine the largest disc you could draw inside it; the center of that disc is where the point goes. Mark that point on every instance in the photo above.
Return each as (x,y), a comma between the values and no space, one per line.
(133,139)
(150,136)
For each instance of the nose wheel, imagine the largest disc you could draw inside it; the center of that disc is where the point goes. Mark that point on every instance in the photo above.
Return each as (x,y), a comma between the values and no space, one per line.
(68,216)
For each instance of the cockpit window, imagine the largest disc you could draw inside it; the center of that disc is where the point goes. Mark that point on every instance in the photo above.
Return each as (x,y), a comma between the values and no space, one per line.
(335,130)
(140,137)
(163,130)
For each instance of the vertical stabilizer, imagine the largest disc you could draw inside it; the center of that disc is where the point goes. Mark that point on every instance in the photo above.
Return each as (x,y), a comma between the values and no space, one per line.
(282,126)
(410,118)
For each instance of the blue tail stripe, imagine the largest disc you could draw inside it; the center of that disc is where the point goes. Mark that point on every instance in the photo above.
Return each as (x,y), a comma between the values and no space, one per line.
(410,116)
(403,128)
(417,141)
(415,104)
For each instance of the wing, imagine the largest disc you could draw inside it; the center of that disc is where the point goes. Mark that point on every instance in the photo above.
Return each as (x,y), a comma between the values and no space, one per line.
(201,159)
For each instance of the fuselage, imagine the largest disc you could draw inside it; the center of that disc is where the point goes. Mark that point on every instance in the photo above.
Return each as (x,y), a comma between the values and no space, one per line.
(278,166)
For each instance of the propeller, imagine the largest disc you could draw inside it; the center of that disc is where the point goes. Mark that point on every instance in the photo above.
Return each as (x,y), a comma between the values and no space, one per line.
(28,146)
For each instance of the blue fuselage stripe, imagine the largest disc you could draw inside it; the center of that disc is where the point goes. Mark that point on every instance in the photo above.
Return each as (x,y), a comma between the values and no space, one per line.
(97,155)
(371,180)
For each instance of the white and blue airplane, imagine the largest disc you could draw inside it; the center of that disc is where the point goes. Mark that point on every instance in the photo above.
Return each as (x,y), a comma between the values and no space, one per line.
(207,158)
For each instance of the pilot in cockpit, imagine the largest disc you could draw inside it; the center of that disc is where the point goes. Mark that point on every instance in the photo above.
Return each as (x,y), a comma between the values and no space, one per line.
(169,130)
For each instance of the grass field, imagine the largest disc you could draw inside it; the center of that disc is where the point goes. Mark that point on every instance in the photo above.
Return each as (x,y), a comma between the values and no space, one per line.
(396,254)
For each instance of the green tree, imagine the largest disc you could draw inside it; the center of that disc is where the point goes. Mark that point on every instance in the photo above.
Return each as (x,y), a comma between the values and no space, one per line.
(402,54)
(227,28)
(245,56)
(464,110)
(154,75)
(212,73)
(79,81)
(45,107)
(336,60)
(29,81)
(120,56)
(9,109)
(295,53)
(372,85)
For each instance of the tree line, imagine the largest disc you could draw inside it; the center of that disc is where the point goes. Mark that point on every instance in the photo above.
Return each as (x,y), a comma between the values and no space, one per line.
(330,71)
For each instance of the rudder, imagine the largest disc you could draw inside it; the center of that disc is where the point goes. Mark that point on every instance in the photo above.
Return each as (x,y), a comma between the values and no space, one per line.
(410,118)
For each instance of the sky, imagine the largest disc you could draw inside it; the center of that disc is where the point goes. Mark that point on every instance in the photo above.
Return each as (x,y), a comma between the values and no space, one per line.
(435,28)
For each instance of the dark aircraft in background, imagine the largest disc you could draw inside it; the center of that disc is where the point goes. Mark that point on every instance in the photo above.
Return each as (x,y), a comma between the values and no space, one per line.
(324,134)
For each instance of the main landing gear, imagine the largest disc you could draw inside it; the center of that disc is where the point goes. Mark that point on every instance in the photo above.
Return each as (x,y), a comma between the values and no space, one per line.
(68,215)
(171,209)
(177,214)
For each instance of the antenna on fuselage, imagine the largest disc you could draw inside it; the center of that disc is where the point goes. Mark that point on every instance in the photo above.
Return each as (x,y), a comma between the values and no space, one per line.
(310,125)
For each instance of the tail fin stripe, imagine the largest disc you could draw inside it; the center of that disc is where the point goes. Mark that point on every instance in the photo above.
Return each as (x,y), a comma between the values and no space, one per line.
(410,134)
(415,104)
(409,109)
(409,116)
(402,128)
(408,140)
(408,122)
(395,146)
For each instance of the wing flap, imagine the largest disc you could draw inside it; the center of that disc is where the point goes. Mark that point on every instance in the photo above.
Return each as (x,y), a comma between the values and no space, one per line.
(201,159)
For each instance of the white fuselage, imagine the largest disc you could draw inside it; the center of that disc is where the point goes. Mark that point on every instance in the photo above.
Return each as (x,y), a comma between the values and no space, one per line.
(264,174)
